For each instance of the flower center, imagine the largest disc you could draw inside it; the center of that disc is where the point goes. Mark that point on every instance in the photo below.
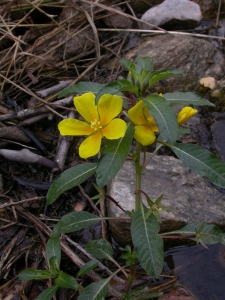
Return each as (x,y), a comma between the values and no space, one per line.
(151,120)
(96,125)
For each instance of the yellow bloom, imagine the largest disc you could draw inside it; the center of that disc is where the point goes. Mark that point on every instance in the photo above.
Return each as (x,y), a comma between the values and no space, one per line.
(145,125)
(99,122)
(185,114)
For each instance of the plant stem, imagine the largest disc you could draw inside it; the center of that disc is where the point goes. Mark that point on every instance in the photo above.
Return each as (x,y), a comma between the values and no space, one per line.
(138,171)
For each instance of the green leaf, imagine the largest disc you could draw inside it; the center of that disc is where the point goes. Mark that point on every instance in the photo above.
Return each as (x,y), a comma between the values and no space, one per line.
(187,98)
(201,161)
(95,291)
(81,88)
(74,221)
(215,234)
(48,293)
(143,64)
(30,274)
(114,153)
(100,249)
(53,249)
(158,75)
(69,179)
(64,280)
(147,242)
(90,265)
(115,88)
(127,64)
(164,116)
(53,265)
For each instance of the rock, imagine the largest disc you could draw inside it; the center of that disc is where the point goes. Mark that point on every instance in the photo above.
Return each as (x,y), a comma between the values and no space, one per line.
(197,58)
(117,20)
(186,15)
(209,8)
(190,197)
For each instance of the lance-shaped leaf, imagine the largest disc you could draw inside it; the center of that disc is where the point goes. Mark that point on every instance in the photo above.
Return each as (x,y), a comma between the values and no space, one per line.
(90,265)
(187,98)
(64,280)
(164,116)
(74,221)
(69,179)
(215,234)
(147,242)
(100,249)
(116,87)
(114,153)
(53,249)
(81,88)
(30,274)
(158,75)
(48,293)
(201,161)
(95,291)
(143,64)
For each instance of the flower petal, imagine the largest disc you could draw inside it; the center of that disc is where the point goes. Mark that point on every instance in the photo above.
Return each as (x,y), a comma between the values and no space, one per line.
(115,129)
(144,135)
(185,114)
(150,120)
(90,146)
(74,127)
(136,113)
(85,105)
(109,106)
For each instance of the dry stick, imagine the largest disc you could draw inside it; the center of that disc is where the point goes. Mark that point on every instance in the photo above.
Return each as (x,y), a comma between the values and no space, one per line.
(73,256)
(34,119)
(20,202)
(97,45)
(103,267)
(26,156)
(53,89)
(218,14)
(63,148)
(34,111)
(162,32)
(89,200)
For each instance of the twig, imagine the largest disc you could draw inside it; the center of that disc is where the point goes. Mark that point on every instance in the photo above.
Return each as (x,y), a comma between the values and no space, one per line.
(23,113)
(97,45)
(20,202)
(89,200)
(62,150)
(46,92)
(26,156)
(163,32)
(103,267)
(218,14)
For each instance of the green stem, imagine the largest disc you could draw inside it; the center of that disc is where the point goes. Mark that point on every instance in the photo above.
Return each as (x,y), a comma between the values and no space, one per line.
(138,171)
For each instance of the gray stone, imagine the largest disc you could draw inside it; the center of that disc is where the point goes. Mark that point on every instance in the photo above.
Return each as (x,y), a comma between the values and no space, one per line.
(190,197)
(173,13)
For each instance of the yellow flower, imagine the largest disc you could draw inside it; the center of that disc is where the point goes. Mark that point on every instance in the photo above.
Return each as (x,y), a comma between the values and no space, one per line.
(99,122)
(185,114)
(145,125)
